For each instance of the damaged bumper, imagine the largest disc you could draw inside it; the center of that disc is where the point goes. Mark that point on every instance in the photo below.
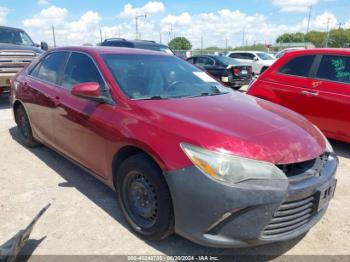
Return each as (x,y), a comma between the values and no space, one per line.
(249,213)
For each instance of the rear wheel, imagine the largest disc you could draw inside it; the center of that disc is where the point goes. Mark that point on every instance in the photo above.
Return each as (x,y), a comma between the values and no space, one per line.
(144,198)
(25,129)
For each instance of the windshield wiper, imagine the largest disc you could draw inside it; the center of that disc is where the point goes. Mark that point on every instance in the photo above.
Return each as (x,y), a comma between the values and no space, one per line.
(151,98)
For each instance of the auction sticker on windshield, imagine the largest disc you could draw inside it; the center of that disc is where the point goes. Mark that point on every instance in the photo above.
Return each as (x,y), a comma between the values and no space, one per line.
(204,77)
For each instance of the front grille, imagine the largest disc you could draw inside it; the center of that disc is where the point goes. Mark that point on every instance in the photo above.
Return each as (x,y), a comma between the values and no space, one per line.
(291,216)
(11,61)
(308,168)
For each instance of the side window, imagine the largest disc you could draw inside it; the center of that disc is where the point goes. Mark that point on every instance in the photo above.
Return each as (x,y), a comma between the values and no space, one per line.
(49,68)
(248,56)
(81,69)
(334,68)
(299,66)
(235,55)
(190,60)
(203,61)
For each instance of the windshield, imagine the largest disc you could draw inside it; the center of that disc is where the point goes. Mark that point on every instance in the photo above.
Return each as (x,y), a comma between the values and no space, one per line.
(265,56)
(154,47)
(160,77)
(228,60)
(17,37)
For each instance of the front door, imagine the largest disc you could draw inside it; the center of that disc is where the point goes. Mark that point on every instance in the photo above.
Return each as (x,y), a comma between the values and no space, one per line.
(329,103)
(79,123)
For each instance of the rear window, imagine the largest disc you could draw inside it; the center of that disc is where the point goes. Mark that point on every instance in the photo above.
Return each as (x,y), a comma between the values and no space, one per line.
(299,66)
(334,68)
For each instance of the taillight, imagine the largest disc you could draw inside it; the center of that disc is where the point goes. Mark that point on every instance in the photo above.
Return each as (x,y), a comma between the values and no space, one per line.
(236,71)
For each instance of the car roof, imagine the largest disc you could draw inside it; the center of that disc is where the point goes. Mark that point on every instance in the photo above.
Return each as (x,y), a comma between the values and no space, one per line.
(122,40)
(11,28)
(314,51)
(109,50)
(246,52)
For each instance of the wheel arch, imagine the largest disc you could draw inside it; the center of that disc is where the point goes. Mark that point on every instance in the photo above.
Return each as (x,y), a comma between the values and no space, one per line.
(130,150)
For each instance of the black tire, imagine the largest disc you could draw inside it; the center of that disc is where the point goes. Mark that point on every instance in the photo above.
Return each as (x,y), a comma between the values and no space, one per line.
(144,198)
(24,127)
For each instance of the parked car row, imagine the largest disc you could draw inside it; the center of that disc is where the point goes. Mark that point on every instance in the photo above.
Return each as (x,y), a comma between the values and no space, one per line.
(184,153)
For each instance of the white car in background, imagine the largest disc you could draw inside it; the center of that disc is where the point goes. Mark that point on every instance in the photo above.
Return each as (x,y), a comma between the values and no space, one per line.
(282,52)
(259,61)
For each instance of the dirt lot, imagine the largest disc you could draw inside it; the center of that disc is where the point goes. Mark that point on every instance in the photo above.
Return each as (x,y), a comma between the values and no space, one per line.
(85,218)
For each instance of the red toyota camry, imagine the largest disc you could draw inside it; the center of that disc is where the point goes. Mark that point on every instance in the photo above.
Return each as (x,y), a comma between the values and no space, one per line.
(184,153)
(314,83)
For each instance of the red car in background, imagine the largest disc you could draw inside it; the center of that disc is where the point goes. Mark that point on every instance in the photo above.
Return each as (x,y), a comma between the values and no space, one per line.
(314,83)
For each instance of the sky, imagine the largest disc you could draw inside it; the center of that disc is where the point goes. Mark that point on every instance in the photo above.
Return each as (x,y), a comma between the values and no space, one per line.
(236,21)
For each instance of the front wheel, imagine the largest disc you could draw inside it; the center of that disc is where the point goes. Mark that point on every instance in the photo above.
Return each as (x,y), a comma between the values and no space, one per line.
(144,198)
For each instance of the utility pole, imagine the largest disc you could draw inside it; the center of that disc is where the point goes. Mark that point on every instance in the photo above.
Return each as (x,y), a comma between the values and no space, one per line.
(327,36)
(308,20)
(339,25)
(201,44)
(243,40)
(54,37)
(160,37)
(137,24)
(100,34)
(226,44)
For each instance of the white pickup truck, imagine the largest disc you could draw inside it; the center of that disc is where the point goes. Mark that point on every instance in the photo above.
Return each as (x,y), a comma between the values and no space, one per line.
(17,50)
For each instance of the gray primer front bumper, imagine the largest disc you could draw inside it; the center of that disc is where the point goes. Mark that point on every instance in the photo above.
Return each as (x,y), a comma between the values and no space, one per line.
(220,215)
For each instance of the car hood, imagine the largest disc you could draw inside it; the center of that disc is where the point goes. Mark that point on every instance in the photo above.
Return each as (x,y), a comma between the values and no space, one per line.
(5,46)
(238,124)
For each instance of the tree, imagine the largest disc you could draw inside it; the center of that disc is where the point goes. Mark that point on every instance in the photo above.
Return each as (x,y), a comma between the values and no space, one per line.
(180,43)
(317,38)
(291,37)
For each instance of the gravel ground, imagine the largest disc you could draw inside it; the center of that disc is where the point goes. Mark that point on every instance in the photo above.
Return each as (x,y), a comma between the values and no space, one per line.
(85,218)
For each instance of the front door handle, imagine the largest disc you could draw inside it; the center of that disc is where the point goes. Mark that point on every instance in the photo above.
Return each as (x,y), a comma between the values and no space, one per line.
(316,84)
(309,93)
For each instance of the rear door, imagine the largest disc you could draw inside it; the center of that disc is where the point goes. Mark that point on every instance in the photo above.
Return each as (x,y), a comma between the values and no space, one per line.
(40,95)
(291,85)
(330,106)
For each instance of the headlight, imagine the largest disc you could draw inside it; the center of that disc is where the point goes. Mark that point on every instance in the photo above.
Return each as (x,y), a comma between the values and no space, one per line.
(229,168)
(329,147)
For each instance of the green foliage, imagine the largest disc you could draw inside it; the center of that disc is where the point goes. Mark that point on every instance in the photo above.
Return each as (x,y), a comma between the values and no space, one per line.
(180,43)
(337,38)
(257,47)
(317,38)
(291,37)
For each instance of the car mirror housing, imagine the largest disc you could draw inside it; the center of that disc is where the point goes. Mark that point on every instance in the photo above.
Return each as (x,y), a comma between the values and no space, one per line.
(89,90)
(44,46)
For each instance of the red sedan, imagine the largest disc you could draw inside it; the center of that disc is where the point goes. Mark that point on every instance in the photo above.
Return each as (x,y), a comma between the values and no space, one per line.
(184,153)
(314,83)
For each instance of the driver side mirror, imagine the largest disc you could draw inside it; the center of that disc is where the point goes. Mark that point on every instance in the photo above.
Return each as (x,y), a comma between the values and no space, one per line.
(256,59)
(90,91)
(44,46)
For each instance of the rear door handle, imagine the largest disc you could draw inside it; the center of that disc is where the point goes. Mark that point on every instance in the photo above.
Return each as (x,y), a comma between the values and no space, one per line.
(309,93)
